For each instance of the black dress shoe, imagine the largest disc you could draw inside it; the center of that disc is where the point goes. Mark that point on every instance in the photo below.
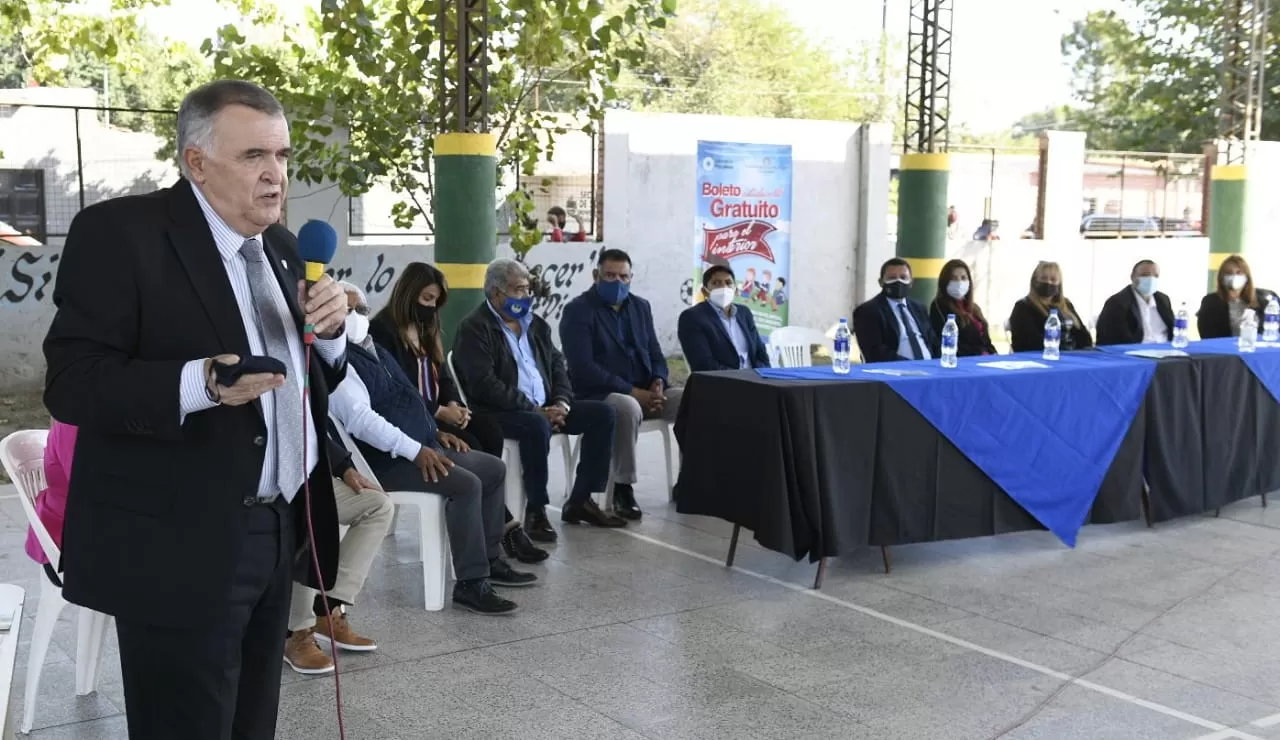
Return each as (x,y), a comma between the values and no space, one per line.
(476,595)
(624,502)
(518,547)
(588,513)
(502,574)
(538,526)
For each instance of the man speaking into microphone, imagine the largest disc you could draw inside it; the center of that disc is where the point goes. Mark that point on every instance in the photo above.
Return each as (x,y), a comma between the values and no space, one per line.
(186,513)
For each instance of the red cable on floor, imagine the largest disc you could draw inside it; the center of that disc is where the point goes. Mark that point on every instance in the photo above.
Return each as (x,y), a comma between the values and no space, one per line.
(308,338)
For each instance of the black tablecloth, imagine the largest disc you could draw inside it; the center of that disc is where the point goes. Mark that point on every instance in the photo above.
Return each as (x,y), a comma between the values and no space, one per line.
(822,468)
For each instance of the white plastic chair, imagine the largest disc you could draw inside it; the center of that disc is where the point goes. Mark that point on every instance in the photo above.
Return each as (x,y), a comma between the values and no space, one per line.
(22,454)
(514,486)
(792,346)
(648,425)
(432,526)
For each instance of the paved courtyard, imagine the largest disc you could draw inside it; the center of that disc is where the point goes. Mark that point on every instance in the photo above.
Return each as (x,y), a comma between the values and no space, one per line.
(1168,633)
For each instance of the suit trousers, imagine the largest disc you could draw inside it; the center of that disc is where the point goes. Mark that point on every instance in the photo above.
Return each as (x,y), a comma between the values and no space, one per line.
(368,515)
(594,420)
(220,682)
(627,433)
(474,488)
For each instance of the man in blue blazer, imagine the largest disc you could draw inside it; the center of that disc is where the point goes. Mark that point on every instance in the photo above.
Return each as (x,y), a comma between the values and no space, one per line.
(716,334)
(613,355)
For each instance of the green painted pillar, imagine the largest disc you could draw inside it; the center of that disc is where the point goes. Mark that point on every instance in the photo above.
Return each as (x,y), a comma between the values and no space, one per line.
(1226,216)
(922,219)
(466,220)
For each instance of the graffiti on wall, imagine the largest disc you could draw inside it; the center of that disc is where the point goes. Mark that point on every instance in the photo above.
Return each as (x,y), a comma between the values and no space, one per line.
(563,279)
(30,277)
(374,281)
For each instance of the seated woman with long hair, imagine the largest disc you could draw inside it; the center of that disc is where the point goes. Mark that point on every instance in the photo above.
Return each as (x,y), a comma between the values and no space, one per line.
(409,327)
(1220,311)
(955,296)
(1026,323)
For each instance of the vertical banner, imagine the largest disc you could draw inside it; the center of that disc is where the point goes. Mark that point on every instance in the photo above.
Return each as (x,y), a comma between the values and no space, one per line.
(744,221)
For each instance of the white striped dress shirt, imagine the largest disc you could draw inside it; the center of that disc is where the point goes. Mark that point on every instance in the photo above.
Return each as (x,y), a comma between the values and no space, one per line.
(193,395)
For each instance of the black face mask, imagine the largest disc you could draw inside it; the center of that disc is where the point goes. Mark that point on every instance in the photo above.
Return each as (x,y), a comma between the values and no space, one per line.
(1046,290)
(424,313)
(896,289)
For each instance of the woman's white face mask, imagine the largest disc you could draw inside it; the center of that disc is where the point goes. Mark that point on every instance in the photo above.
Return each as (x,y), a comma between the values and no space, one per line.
(1234,282)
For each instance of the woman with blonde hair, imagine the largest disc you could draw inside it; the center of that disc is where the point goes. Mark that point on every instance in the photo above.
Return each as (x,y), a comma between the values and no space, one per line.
(1220,311)
(1026,323)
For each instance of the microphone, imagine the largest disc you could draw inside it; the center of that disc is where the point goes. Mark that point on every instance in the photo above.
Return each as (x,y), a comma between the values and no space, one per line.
(317,241)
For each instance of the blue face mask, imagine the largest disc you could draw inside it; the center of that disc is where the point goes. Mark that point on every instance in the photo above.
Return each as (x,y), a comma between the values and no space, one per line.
(1147,285)
(613,292)
(517,308)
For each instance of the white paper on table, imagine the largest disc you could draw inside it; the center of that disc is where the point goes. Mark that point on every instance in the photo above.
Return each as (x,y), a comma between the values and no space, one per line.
(1013,364)
(1157,354)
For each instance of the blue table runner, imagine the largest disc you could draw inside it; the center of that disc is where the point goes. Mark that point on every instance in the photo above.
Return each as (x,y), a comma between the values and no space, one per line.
(1045,432)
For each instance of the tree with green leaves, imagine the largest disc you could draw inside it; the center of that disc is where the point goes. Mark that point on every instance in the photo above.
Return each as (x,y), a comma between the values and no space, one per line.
(749,58)
(1148,77)
(361,80)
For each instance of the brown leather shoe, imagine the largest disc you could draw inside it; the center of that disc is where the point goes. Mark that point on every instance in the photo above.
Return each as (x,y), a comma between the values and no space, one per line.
(588,513)
(343,635)
(304,656)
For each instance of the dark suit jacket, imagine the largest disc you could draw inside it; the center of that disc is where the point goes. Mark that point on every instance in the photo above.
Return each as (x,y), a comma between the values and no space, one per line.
(385,335)
(597,347)
(1213,320)
(706,345)
(875,323)
(1121,319)
(155,516)
(488,372)
(969,343)
(1026,328)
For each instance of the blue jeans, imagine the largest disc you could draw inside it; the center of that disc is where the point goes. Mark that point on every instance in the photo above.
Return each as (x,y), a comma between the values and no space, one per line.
(594,420)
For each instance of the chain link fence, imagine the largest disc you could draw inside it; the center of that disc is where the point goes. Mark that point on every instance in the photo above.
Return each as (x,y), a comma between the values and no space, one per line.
(57,159)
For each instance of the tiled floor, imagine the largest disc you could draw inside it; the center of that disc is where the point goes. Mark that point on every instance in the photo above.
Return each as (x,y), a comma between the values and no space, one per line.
(1168,634)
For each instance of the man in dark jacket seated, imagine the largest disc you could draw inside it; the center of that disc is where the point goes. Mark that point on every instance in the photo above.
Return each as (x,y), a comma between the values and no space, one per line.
(718,334)
(1139,314)
(893,326)
(508,366)
(613,355)
(384,413)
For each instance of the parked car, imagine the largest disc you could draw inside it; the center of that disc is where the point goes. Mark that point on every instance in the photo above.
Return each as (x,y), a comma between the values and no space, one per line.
(1096,226)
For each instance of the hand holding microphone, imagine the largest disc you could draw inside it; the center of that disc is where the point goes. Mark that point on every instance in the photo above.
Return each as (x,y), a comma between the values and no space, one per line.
(324,305)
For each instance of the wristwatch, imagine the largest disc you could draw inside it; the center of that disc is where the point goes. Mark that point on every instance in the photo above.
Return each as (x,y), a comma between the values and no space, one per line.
(211,385)
(564,405)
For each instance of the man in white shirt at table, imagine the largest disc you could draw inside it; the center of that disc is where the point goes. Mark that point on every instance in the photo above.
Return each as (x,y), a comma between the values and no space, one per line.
(1139,314)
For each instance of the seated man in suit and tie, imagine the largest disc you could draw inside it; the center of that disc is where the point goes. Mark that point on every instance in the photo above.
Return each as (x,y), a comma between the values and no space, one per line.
(717,334)
(613,355)
(892,326)
(1139,314)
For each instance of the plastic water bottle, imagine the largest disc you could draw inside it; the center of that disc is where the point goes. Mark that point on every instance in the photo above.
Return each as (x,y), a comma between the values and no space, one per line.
(1180,321)
(842,342)
(1248,341)
(950,341)
(1271,321)
(1052,335)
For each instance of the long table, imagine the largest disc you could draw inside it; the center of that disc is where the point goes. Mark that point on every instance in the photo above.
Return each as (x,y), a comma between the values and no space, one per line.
(817,465)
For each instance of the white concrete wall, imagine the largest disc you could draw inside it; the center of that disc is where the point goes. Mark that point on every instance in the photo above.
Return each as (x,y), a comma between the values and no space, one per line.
(649,195)
(1092,270)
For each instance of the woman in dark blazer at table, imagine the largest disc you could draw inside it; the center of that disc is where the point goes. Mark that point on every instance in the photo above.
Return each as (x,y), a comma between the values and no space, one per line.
(1220,311)
(409,328)
(1026,323)
(955,296)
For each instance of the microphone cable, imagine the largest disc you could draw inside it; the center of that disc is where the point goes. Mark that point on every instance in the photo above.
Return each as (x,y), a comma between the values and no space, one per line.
(308,338)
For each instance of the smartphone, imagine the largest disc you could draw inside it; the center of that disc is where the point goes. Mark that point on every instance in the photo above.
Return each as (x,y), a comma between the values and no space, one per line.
(227,374)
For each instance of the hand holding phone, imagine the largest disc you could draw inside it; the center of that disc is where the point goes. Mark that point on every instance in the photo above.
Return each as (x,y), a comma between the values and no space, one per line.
(235,381)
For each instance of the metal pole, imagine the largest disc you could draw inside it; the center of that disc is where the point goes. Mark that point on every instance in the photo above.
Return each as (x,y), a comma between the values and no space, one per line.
(79,159)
